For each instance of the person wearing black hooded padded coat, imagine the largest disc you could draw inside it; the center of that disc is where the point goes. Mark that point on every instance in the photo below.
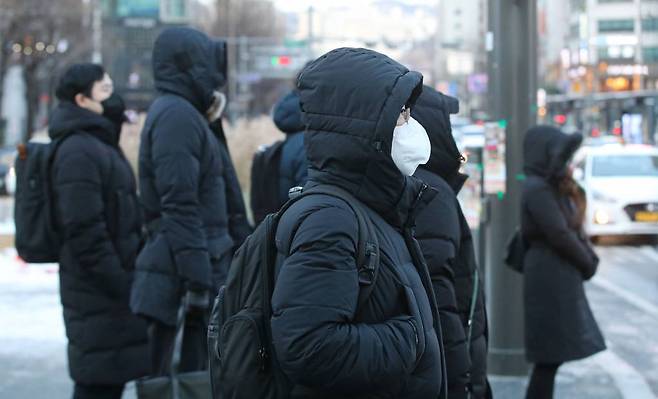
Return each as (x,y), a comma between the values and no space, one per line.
(327,346)
(447,244)
(559,325)
(190,196)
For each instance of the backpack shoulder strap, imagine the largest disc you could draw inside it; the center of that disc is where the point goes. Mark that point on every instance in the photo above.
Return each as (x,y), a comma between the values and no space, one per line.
(368,244)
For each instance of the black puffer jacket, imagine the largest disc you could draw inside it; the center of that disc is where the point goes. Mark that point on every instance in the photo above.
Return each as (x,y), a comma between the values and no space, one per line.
(559,325)
(293,167)
(447,245)
(98,215)
(186,179)
(389,348)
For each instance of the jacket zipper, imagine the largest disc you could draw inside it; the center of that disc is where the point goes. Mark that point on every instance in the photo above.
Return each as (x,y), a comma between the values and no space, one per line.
(414,206)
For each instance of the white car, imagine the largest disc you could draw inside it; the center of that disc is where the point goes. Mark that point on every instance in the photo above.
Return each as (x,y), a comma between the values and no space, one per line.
(471,136)
(621,182)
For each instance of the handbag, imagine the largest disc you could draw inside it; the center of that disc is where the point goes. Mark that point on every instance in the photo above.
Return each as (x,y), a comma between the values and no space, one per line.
(176,385)
(515,252)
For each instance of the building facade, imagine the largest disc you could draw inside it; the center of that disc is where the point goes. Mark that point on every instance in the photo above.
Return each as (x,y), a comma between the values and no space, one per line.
(129,30)
(608,69)
(612,46)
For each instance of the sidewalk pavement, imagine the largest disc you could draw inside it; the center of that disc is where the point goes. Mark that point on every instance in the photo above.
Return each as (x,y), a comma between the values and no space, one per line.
(32,349)
(623,371)
(585,379)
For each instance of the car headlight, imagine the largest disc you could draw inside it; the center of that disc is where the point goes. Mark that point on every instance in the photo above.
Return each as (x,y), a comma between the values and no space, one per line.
(601,216)
(599,196)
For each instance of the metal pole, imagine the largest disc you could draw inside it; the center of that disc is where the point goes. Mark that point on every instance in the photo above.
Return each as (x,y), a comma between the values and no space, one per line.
(513,88)
(310,38)
(97,32)
(243,87)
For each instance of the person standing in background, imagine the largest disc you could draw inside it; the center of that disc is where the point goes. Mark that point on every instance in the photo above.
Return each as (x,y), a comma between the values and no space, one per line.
(447,244)
(282,165)
(187,184)
(98,217)
(293,168)
(559,324)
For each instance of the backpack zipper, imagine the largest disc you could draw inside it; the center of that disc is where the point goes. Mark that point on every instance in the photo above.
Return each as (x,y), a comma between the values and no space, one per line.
(261,352)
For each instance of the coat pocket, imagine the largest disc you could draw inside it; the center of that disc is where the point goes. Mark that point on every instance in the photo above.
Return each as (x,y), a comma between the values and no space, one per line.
(417,320)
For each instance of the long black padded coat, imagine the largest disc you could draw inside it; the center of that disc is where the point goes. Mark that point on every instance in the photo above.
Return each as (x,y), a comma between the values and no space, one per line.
(189,191)
(329,348)
(99,219)
(447,244)
(559,325)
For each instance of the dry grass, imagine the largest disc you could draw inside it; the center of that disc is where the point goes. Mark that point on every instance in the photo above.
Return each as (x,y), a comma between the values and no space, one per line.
(244,137)
(129,141)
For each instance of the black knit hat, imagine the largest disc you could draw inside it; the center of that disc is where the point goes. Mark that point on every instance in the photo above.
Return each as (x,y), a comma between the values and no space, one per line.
(78,78)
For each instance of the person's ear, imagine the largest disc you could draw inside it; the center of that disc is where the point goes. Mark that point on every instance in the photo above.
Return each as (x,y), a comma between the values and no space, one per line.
(81,100)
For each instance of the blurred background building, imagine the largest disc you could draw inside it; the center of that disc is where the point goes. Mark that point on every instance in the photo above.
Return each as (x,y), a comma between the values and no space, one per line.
(599,70)
(597,59)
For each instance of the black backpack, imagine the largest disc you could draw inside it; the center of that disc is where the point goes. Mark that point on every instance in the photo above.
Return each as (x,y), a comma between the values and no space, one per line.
(37,240)
(242,360)
(265,181)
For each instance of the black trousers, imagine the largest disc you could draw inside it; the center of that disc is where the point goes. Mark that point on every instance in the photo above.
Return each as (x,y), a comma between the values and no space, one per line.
(542,381)
(194,354)
(84,391)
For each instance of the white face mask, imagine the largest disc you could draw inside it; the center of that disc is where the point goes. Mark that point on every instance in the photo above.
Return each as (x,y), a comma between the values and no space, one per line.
(411,147)
(217,107)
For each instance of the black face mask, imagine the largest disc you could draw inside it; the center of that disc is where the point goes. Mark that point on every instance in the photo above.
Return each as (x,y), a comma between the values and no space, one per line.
(114,108)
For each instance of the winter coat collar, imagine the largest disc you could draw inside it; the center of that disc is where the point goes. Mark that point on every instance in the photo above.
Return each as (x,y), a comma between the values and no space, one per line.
(457,182)
(69,118)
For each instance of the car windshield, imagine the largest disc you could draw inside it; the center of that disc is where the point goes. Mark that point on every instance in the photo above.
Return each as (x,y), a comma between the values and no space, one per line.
(625,165)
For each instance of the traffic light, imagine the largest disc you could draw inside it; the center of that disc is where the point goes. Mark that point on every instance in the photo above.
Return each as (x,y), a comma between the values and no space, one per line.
(280,60)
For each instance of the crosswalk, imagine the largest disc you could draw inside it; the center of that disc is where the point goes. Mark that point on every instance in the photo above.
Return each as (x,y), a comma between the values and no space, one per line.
(630,273)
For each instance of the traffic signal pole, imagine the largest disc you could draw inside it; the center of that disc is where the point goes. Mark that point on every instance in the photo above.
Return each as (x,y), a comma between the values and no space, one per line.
(512,47)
